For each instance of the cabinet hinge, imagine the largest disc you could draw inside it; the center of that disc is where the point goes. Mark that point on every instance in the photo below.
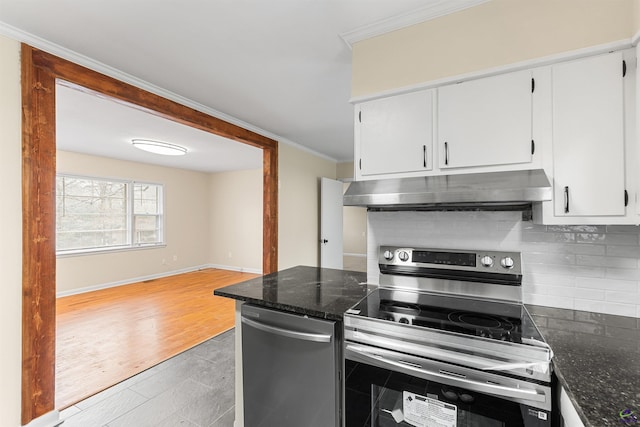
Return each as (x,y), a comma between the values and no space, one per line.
(624,68)
(360,164)
(360,116)
(533,147)
(533,85)
(626,198)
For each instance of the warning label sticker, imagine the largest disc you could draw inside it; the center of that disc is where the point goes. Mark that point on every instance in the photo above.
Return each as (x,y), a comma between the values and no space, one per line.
(421,411)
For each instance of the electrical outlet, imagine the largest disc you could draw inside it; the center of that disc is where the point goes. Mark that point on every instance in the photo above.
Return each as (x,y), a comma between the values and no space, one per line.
(175,257)
(164,261)
(230,255)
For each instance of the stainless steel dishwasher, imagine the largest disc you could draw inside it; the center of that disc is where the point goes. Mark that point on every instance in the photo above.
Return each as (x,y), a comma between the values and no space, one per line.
(290,369)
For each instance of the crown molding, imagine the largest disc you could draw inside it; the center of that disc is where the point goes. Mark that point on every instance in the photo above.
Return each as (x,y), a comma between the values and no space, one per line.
(434,10)
(635,39)
(77,58)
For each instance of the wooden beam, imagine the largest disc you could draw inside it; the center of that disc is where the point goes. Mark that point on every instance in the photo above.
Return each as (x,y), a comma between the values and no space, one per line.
(38,225)
(270,211)
(99,83)
(40,70)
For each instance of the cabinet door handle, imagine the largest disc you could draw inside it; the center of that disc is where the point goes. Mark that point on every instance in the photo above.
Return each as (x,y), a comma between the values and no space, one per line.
(446,153)
(424,155)
(566,199)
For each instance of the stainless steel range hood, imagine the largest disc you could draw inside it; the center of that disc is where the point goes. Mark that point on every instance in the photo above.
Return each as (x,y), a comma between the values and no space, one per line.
(512,190)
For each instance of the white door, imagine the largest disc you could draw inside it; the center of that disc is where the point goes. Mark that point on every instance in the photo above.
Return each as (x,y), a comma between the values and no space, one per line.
(330,223)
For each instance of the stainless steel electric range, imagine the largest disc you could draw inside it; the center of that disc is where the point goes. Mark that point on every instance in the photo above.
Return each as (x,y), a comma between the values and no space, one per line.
(446,341)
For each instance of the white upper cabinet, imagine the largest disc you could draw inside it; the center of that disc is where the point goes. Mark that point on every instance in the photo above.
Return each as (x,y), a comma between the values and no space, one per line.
(589,136)
(394,135)
(486,122)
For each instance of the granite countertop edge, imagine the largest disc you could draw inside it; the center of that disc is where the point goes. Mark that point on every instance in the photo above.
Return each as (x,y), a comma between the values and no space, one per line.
(321,314)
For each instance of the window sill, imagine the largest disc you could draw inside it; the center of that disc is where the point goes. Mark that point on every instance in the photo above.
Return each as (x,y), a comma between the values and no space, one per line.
(103,251)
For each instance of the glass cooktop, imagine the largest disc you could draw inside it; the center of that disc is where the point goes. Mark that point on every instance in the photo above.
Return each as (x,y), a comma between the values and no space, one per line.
(502,321)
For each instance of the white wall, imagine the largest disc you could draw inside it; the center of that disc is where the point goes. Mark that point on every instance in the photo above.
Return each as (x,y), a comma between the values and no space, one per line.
(590,268)
(187,220)
(236,220)
(299,175)
(10,232)
(492,34)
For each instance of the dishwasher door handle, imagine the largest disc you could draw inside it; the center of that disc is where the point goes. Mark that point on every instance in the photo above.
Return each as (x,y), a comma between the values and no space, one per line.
(304,336)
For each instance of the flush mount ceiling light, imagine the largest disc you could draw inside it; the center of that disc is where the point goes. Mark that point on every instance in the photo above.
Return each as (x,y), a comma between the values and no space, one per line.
(159,147)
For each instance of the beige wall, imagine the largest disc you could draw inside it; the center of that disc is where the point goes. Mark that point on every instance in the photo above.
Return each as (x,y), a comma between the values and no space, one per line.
(344,170)
(10,232)
(236,219)
(186,225)
(354,226)
(492,34)
(299,200)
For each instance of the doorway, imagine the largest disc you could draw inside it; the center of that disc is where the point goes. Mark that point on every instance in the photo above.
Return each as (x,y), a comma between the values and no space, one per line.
(40,71)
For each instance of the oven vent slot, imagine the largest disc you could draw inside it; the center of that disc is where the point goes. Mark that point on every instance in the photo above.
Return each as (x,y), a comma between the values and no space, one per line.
(452,374)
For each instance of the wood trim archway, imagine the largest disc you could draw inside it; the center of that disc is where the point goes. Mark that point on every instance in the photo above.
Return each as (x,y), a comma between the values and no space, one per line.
(40,71)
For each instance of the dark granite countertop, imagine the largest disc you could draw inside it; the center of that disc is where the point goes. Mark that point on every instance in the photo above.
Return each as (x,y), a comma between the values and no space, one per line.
(596,359)
(317,292)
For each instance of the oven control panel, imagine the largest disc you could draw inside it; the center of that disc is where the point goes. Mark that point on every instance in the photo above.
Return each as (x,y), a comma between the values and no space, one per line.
(451,259)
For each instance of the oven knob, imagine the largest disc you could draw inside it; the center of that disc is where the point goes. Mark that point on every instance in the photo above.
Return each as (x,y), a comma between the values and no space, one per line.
(486,261)
(403,256)
(507,262)
(388,255)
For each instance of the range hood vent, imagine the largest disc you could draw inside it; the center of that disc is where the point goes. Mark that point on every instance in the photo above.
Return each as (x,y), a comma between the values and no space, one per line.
(494,191)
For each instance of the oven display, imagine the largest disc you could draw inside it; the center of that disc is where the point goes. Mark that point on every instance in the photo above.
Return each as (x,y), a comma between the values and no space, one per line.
(446,258)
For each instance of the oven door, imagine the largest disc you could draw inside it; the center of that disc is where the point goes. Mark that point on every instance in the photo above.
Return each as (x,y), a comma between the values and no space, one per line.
(386,388)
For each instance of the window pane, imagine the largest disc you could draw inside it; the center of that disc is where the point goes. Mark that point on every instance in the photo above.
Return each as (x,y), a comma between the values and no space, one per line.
(147,210)
(94,213)
(90,213)
(146,199)
(147,229)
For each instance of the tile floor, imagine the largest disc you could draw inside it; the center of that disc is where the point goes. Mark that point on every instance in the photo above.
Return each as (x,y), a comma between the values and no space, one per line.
(194,389)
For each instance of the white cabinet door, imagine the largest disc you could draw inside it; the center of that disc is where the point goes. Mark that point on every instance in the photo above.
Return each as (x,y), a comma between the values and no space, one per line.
(486,121)
(396,134)
(588,136)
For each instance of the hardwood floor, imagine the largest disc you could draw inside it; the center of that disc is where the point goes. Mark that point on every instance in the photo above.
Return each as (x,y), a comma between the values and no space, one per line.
(106,336)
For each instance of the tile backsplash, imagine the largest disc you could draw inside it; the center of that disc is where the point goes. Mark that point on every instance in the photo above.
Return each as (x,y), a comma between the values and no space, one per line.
(582,267)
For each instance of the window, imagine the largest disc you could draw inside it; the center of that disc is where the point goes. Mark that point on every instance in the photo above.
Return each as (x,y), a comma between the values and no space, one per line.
(94,214)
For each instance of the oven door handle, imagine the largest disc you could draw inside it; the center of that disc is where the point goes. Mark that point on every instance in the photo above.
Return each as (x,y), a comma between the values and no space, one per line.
(447,378)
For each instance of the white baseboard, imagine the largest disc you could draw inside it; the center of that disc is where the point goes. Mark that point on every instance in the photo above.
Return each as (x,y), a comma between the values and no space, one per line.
(129,281)
(50,419)
(235,268)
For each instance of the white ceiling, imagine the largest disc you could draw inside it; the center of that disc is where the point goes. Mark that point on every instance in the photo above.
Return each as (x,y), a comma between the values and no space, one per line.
(278,66)
(101,126)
